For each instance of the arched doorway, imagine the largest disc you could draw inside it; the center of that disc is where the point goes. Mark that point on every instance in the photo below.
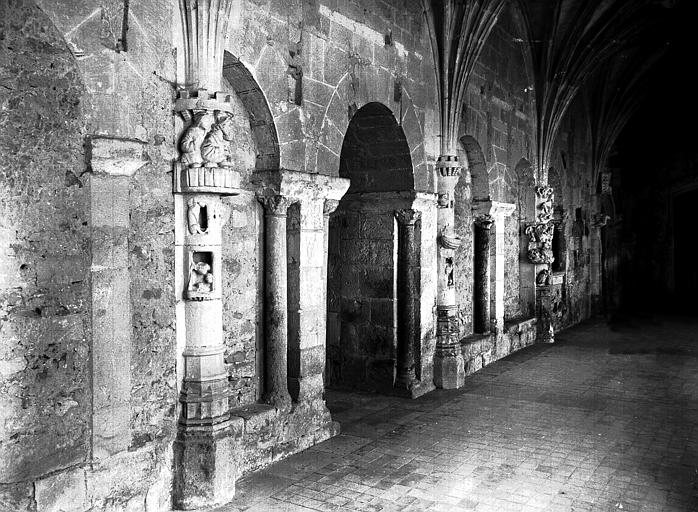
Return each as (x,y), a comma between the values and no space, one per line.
(363,330)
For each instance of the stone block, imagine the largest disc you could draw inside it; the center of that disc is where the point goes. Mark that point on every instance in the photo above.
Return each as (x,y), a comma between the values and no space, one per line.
(449,371)
(110,201)
(62,492)
(117,157)
(17,497)
(205,471)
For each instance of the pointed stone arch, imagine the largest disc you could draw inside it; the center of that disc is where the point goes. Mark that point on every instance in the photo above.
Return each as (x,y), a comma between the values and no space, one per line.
(261,119)
(478,168)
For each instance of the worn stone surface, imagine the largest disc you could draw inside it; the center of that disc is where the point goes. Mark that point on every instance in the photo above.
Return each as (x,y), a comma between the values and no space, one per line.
(44,281)
(589,424)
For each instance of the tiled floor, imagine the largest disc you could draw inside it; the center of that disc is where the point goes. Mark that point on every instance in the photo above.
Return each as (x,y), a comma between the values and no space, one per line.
(603,420)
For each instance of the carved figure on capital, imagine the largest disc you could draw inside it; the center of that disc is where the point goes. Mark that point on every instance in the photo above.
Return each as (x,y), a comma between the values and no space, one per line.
(540,244)
(407,216)
(545,196)
(193,139)
(484,221)
(275,205)
(207,141)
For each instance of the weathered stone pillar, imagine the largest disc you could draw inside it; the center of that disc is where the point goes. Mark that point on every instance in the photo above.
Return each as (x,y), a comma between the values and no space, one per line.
(449,367)
(204,472)
(407,298)
(276,302)
(490,264)
(481,270)
(300,366)
(599,221)
(113,162)
(540,253)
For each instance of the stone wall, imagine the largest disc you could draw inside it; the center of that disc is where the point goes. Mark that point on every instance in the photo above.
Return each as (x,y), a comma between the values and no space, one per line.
(44,270)
(498,126)
(88,276)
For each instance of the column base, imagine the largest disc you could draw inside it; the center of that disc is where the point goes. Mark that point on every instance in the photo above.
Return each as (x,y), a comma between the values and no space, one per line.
(205,470)
(449,370)
(413,389)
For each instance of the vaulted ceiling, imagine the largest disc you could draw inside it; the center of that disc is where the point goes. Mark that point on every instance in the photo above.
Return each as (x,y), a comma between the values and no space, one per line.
(604,46)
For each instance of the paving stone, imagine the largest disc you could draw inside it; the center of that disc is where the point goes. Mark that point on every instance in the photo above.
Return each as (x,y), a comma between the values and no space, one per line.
(518,441)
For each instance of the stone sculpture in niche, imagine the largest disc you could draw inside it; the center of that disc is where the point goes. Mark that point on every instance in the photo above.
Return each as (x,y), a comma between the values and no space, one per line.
(200,285)
(543,278)
(194,219)
(448,269)
(295,73)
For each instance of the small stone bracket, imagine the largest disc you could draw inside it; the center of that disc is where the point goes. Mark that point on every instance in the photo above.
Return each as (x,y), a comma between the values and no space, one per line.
(116,157)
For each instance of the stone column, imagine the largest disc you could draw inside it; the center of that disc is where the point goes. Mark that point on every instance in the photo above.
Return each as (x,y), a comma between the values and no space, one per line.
(300,366)
(481,264)
(113,162)
(276,302)
(449,367)
(407,297)
(490,260)
(204,467)
(599,221)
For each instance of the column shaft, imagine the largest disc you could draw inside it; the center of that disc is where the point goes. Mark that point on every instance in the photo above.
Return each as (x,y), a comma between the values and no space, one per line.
(481,288)
(449,367)
(276,312)
(407,298)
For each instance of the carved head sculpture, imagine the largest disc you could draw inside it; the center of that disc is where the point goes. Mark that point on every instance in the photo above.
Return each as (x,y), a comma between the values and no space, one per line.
(204,120)
(225,123)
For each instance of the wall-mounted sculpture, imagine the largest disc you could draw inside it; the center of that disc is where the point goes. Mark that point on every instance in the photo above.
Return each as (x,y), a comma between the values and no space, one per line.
(545,197)
(540,243)
(205,162)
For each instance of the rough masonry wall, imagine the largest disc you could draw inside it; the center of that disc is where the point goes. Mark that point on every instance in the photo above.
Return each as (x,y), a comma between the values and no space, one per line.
(346,64)
(44,242)
(571,176)
(498,122)
(242,271)
(67,100)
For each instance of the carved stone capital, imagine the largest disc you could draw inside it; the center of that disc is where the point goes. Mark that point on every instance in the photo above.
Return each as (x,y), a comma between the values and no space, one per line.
(276,206)
(407,216)
(484,220)
(448,165)
(329,206)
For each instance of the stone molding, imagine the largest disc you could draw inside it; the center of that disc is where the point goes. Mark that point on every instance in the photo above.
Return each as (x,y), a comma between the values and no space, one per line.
(407,216)
(117,157)
(299,186)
